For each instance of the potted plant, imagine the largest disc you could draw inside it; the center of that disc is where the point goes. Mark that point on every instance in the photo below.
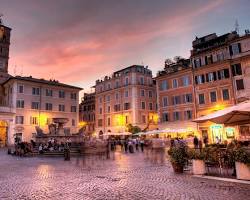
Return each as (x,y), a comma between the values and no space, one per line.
(242,163)
(178,157)
(197,157)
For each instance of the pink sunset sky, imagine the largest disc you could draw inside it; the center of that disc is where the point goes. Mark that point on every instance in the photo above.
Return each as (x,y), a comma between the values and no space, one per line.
(80,41)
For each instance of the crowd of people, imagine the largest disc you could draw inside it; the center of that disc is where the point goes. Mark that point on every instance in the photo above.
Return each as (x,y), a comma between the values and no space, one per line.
(53,145)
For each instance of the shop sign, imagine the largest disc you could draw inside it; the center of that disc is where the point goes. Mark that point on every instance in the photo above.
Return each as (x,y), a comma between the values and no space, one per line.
(216,126)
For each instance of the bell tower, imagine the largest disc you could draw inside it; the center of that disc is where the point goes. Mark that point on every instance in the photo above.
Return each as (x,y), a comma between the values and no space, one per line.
(4,50)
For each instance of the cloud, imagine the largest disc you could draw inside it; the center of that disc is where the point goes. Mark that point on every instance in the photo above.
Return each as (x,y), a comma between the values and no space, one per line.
(80,41)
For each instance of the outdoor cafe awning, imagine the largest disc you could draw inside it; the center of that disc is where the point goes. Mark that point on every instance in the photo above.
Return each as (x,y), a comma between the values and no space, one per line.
(234,115)
(117,134)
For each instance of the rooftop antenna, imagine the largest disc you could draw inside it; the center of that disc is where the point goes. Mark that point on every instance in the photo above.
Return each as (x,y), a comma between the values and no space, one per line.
(14,71)
(21,73)
(1,20)
(237,26)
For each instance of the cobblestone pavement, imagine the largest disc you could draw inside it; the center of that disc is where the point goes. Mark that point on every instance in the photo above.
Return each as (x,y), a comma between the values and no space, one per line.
(124,176)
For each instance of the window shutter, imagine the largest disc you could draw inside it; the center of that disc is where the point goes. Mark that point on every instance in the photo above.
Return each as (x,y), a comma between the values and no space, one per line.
(219,75)
(207,80)
(203,78)
(230,50)
(206,60)
(233,70)
(226,73)
(239,47)
(215,77)
(196,80)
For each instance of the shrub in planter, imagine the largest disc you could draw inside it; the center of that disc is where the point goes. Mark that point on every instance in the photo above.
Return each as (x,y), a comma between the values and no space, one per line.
(178,157)
(242,163)
(197,157)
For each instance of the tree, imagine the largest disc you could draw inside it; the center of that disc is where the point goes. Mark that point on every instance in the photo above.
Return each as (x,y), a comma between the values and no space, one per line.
(133,129)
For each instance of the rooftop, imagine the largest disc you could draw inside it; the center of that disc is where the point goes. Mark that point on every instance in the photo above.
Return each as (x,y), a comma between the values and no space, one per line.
(132,68)
(175,67)
(42,81)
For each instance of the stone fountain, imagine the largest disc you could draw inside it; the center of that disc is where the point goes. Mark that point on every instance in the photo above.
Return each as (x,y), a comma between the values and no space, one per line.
(60,122)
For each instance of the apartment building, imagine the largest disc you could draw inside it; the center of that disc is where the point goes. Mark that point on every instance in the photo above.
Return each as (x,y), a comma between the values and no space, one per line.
(27,102)
(220,66)
(36,102)
(176,99)
(128,96)
(87,112)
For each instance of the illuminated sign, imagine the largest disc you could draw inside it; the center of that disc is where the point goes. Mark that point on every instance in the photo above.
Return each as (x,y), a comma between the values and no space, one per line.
(216,126)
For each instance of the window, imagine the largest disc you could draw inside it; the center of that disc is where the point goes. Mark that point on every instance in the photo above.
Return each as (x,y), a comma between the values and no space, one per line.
(126,81)
(220,56)
(116,84)
(108,109)
(99,122)
(73,109)
(188,98)
(165,117)
(201,99)
(126,93)
(126,119)
(213,97)
(61,107)
(199,79)
(36,91)
(176,100)
(100,99)
(142,93)
(150,106)
(126,106)
(223,74)
(188,114)
(49,93)
(61,94)
(150,94)
(109,121)
(108,98)
(235,49)
(116,96)
(208,59)
(35,105)
(185,80)
(73,96)
(225,94)
(164,85)
(108,86)
(48,106)
(142,80)
(143,106)
(49,121)
(19,119)
(236,69)
(211,76)
(73,122)
(20,89)
(20,103)
(100,110)
(197,62)
(240,84)
(176,116)
(165,101)
(117,107)
(33,120)
(143,119)
(175,83)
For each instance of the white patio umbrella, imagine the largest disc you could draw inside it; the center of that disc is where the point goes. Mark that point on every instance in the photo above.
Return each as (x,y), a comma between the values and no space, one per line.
(234,115)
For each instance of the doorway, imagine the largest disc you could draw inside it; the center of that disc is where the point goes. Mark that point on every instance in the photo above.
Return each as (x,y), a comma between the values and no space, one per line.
(3,133)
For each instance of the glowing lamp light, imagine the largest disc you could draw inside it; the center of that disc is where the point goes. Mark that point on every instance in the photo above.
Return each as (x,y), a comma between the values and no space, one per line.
(120,120)
(82,123)
(43,120)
